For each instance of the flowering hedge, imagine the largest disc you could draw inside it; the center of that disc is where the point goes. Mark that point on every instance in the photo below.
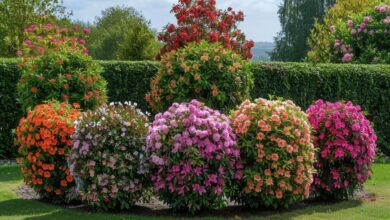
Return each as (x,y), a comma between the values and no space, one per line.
(44,145)
(365,38)
(203,71)
(277,153)
(55,65)
(201,20)
(107,160)
(346,144)
(192,156)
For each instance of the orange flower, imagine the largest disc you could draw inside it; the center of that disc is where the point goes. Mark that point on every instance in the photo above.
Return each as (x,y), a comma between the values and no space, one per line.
(57,192)
(196,77)
(46,174)
(34,89)
(64,183)
(275,157)
(76,105)
(69,178)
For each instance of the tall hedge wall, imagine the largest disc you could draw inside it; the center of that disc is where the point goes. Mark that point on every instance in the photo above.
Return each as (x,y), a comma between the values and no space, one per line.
(366,85)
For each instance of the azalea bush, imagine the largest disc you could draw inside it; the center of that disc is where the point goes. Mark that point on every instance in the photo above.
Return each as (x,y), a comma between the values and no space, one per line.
(208,72)
(55,66)
(364,38)
(201,20)
(346,148)
(107,158)
(277,153)
(44,143)
(193,157)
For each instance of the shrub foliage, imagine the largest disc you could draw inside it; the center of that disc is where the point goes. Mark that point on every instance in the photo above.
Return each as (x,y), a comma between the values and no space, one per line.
(277,153)
(44,145)
(107,160)
(207,72)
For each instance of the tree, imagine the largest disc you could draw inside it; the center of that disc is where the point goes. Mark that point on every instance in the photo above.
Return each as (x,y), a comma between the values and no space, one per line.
(297,17)
(321,39)
(201,20)
(16,15)
(122,33)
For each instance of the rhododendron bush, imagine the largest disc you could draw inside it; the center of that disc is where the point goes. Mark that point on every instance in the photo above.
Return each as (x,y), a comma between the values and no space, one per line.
(44,145)
(277,153)
(200,20)
(364,38)
(55,66)
(203,71)
(192,156)
(107,160)
(346,143)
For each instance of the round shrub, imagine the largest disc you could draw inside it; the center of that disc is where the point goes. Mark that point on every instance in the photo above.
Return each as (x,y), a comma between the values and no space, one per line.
(192,156)
(107,160)
(44,145)
(207,72)
(346,144)
(277,153)
(56,66)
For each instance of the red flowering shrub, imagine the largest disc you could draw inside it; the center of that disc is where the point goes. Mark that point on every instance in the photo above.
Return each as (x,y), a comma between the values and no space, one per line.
(44,145)
(55,66)
(277,153)
(207,72)
(200,20)
(346,144)
(193,156)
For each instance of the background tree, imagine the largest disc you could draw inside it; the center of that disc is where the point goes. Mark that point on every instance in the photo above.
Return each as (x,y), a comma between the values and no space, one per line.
(16,15)
(297,17)
(321,38)
(122,33)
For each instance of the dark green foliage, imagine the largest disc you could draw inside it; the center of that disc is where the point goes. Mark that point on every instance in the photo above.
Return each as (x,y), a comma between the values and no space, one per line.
(365,85)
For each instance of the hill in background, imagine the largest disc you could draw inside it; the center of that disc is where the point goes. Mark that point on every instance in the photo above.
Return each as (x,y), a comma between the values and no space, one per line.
(261,49)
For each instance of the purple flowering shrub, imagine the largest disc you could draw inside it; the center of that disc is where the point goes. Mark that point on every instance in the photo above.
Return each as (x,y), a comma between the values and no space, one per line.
(193,156)
(365,38)
(346,144)
(107,159)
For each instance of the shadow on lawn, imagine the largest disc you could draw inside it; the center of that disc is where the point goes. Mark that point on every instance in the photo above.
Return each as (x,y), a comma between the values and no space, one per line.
(10,173)
(45,211)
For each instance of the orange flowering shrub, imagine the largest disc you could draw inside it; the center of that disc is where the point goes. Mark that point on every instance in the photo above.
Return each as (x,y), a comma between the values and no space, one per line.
(44,145)
(210,73)
(277,153)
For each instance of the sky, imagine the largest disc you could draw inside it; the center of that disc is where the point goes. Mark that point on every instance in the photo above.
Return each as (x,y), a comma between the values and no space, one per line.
(261,19)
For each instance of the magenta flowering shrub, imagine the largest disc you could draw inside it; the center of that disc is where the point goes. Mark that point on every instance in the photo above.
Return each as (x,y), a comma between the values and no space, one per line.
(277,152)
(346,144)
(107,159)
(365,38)
(192,156)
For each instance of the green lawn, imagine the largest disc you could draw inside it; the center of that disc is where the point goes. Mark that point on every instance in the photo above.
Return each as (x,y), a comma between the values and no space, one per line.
(374,208)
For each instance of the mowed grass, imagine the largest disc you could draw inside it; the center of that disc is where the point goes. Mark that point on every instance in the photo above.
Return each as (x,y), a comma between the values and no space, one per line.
(375,207)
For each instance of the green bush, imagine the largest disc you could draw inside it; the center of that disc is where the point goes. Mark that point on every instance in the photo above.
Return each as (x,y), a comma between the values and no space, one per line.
(207,72)
(303,83)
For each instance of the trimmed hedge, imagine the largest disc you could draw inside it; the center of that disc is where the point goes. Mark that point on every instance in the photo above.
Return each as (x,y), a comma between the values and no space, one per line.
(304,83)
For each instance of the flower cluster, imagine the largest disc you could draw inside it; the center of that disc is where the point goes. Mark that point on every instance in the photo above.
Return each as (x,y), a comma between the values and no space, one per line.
(44,145)
(55,65)
(107,157)
(277,152)
(346,144)
(192,156)
(364,38)
(201,20)
(207,72)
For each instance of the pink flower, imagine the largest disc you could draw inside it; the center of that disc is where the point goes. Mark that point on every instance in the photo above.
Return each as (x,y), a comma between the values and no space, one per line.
(86,31)
(347,57)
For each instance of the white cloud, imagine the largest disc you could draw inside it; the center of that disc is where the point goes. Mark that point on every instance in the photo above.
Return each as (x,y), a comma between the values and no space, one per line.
(261,19)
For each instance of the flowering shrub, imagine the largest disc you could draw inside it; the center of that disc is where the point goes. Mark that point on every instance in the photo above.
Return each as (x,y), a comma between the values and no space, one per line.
(200,20)
(44,145)
(107,160)
(365,38)
(277,153)
(55,65)
(207,72)
(192,156)
(346,144)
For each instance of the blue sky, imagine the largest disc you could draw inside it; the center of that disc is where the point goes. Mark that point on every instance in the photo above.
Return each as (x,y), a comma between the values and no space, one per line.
(261,19)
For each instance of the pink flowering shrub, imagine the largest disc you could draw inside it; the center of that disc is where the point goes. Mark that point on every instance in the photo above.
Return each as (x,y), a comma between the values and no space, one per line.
(277,153)
(346,144)
(365,38)
(107,160)
(192,156)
